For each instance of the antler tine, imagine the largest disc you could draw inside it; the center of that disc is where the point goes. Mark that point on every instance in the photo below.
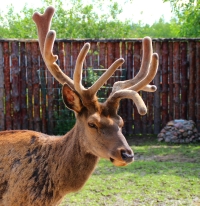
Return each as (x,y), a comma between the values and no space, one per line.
(91,91)
(43,23)
(78,69)
(146,59)
(46,41)
(143,84)
(113,100)
(128,89)
(105,76)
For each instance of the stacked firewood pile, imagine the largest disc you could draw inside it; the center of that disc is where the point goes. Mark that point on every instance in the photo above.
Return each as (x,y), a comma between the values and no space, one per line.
(179,131)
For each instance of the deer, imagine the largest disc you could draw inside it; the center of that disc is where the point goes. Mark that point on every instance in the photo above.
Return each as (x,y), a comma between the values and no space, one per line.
(38,169)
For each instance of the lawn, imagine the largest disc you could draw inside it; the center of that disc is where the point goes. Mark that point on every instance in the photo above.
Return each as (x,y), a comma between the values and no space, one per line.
(162,174)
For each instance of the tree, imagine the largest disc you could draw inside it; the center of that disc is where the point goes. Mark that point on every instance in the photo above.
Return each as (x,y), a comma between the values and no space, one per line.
(79,20)
(188,13)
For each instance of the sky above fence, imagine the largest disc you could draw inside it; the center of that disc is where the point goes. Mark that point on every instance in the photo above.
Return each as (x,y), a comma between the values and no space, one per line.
(137,10)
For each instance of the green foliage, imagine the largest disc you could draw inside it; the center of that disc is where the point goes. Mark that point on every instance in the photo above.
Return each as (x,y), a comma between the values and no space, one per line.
(78,20)
(159,29)
(188,13)
(91,77)
(65,120)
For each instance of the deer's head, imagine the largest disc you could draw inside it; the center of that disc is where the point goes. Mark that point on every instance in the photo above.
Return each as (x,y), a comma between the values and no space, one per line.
(99,123)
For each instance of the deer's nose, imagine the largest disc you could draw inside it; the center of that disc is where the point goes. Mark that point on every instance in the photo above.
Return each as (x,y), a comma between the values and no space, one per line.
(127,156)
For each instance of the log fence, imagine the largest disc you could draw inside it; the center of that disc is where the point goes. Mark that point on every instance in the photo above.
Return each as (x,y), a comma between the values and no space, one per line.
(30,98)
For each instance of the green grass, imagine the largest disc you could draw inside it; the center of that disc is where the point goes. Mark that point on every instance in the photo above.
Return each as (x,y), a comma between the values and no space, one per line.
(161,175)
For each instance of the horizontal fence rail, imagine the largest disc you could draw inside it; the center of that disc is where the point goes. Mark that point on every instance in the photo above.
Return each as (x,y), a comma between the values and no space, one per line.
(30,98)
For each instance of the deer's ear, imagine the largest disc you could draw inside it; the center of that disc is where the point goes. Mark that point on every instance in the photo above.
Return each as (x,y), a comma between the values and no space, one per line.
(71,98)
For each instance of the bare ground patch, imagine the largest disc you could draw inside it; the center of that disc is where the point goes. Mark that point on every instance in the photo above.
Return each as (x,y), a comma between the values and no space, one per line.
(167,158)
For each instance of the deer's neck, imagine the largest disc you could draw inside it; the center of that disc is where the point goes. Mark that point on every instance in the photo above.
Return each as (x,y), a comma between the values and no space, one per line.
(76,162)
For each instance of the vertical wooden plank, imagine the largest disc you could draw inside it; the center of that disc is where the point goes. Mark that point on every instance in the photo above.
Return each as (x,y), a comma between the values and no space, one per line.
(198,87)
(103,65)
(117,76)
(171,86)
(75,52)
(176,79)
(15,79)
(58,87)
(24,116)
(123,108)
(50,122)
(102,55)
(35,82)
(56,110)
(157,109)
(184,80)
(130,120)
(110,53)
(191,97)
(110,59)
(165,85)
(43,94)
(150,112)
(137,63)
(95,53)
(29,84)
(2,118)
(144,117)
(118,72)
(50,102)
(144,97)
(57,50)
(6,54)
(67,68)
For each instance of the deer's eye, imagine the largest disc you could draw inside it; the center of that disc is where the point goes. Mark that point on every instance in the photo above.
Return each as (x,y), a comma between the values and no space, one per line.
(92,125)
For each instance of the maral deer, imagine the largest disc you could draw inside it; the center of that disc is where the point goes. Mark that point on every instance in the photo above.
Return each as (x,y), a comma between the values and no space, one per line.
(39,170)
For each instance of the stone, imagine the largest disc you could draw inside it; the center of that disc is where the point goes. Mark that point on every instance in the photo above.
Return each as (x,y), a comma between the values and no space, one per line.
(167,139)
(179,131)
(185,134)
(168,133)
(160,139)
(171,123)
(160,135)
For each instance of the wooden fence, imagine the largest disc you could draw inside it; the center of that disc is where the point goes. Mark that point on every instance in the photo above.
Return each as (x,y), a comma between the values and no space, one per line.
(30,97)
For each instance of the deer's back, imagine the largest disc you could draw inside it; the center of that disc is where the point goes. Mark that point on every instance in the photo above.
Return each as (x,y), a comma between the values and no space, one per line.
(25,173)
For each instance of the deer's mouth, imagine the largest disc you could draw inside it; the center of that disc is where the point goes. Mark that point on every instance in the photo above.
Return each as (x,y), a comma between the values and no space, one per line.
(118,163)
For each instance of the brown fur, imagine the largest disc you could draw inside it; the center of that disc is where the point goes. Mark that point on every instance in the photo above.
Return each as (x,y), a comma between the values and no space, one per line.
(37,169)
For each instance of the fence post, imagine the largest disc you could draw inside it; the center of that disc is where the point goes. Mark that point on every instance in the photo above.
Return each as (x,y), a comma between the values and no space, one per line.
(6,56)
(165,117)
(129,74)
(23,86)
(123,106)
(191,96)
(184,80)
(35,85)
(197,87)
(15,79)
(137,63)
(176,79)
(29,85)
(157,118)
(171,87)
(2,125)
